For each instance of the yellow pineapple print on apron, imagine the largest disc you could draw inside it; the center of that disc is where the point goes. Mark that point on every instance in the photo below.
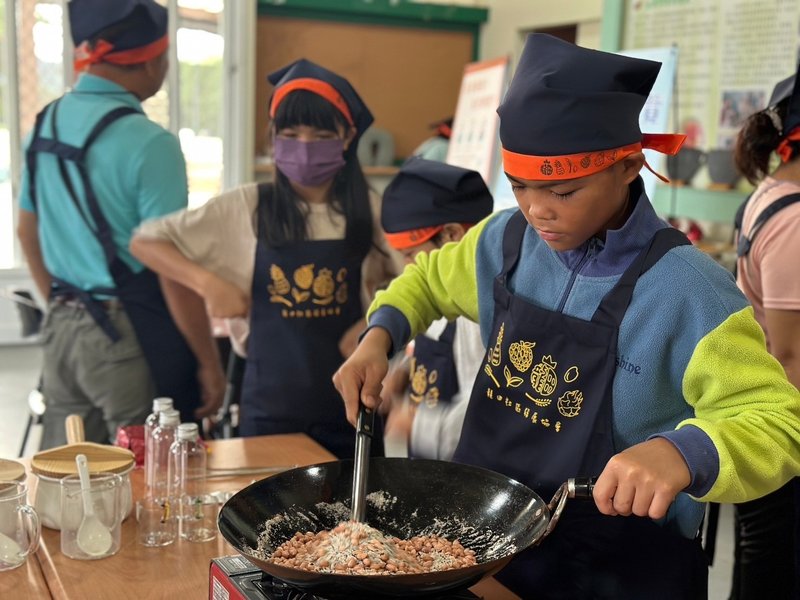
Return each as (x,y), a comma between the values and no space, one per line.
(543,376)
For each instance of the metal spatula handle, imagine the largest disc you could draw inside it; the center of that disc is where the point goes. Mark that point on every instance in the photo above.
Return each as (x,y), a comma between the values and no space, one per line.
(365,429)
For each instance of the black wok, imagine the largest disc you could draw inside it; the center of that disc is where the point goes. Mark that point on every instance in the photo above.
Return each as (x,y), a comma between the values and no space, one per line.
(489,513)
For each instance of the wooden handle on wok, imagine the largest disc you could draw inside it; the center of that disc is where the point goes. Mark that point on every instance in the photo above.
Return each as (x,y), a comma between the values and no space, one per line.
(75,432)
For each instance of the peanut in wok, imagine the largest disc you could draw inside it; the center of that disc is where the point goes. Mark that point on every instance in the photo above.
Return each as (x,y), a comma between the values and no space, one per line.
(357,549)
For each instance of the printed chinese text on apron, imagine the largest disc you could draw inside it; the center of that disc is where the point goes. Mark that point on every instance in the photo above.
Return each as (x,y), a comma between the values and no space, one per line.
(171,361)
(540,412)
(305,296)
(433,376)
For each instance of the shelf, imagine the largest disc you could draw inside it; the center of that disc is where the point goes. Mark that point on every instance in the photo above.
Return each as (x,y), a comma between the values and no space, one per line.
(700,204)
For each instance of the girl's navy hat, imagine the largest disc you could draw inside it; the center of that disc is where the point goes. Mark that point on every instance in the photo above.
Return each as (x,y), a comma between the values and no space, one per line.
(427,194)
(306,75)
(790,128)
(571,111)
(133,31)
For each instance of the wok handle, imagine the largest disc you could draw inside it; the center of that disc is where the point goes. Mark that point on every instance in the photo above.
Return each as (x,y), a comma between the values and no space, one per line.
(366,421)
(581,487)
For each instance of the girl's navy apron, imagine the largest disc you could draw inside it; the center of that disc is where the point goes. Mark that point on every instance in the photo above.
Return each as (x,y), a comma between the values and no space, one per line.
(305,296)
(433,368)
(171,361)
(540,412)
(433,377)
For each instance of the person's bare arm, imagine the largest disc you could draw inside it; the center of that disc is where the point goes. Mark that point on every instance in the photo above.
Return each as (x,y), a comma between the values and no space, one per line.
(784,340)
(189,313)
(28,234)
(223,299)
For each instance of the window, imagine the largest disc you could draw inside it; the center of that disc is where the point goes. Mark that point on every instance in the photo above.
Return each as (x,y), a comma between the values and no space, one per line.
(35,68)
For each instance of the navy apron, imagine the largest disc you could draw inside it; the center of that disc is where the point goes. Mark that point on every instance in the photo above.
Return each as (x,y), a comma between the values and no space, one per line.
(172,364)
(305,296)
(541,412)
(433,376)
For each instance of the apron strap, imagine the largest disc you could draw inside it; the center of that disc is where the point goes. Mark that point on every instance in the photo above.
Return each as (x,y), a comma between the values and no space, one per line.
(512,248)
(120,272)
(613,307)
(448,335)
(746,241)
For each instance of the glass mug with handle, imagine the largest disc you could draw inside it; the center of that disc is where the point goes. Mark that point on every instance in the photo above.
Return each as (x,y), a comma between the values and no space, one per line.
(20,529)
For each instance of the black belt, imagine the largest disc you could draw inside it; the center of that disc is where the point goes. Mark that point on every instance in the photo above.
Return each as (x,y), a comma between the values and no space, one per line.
(75,302)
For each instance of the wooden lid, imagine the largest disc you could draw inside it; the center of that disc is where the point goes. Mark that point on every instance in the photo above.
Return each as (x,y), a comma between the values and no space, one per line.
(11,470)
(60,461)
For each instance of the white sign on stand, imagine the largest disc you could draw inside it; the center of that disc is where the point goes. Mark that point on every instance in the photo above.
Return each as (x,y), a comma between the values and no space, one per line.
(474,143)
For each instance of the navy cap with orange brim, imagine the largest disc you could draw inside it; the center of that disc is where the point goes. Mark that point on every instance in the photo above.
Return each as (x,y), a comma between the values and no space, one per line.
(571,112)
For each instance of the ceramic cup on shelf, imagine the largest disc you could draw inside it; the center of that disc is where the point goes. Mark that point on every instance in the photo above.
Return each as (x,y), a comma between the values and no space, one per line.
(682,167)
(19,525)
(722,169)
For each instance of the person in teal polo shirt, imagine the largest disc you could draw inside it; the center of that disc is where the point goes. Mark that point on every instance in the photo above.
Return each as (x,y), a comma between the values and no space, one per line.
(96,168)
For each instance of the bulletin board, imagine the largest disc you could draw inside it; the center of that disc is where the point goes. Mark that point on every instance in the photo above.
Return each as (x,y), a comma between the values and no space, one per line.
(408,77)
(731,54)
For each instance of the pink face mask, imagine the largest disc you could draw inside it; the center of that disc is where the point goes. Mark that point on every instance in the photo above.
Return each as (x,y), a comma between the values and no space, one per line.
(309,163)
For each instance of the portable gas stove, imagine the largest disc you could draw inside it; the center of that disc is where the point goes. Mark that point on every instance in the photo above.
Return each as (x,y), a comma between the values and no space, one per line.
(236,578)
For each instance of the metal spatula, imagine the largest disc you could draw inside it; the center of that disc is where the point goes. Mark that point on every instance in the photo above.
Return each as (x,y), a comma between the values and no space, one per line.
(365,429)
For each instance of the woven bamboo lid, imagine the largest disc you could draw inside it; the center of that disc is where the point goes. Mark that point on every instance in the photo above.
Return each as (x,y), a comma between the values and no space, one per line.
(11,470)
(60,461)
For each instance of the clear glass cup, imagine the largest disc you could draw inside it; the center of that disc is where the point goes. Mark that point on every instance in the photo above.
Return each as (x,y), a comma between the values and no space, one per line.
(157,524)
(105,495)
(199,518)
(19,525)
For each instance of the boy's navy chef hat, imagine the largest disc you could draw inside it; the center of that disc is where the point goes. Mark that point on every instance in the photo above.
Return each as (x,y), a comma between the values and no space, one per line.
(427,194)
(571,112)
(306,75)
(790,128)
(135,31)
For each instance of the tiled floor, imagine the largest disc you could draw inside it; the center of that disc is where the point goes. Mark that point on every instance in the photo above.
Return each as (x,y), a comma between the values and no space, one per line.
(19,372)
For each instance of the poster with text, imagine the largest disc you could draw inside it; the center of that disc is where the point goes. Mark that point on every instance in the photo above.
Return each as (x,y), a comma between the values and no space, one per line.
(474,143)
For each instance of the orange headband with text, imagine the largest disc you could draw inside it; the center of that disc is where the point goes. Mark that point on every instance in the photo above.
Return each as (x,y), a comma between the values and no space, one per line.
(103,51)
(572,166)
(317,86)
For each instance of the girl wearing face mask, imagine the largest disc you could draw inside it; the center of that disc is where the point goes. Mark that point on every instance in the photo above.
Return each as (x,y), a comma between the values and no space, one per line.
(291,263)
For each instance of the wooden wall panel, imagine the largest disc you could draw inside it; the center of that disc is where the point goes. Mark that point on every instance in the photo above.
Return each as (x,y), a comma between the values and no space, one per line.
(408,77)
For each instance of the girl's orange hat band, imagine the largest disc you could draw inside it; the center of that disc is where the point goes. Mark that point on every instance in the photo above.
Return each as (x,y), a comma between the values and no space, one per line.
(573,166)
(785,147)
(103,51)
(317,86)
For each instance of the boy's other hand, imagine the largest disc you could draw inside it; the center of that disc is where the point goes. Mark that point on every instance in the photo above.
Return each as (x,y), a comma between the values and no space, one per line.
(642,480)
(359,378)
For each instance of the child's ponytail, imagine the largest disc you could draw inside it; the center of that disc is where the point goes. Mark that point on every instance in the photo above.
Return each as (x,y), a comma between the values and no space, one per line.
(757,140)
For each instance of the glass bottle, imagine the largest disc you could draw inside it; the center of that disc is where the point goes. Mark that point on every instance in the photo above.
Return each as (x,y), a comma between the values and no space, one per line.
(162,530)
(187,473)
(159,404)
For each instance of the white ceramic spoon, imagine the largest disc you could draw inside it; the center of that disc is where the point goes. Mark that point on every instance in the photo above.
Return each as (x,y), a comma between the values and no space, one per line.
(10,552)
(93,538)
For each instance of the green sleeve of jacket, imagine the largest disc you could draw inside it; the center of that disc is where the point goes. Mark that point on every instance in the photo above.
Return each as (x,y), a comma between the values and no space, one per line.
(442,283)
(748,408)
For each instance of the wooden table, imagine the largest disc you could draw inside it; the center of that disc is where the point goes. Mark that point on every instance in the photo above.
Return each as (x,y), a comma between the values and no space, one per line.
(179,570)
(24,583)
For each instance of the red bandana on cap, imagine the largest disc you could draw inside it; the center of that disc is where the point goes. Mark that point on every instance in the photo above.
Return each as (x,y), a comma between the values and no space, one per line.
(785,148)
(573,166)
(103,51)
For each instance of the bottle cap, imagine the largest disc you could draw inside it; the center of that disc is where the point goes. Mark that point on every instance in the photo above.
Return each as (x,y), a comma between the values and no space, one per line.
(162,403)
(169,417)
(188,431)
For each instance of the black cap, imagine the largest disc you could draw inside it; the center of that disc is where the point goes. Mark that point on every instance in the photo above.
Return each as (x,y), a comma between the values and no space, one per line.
(305,69)
(565,99)
(147,19)
(427,193)
(787,89)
